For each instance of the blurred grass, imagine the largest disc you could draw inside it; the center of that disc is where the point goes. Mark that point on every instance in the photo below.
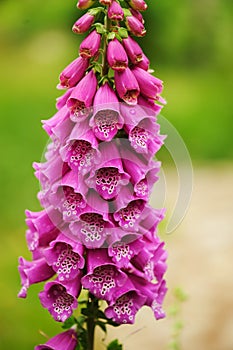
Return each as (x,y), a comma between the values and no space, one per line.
(189,45)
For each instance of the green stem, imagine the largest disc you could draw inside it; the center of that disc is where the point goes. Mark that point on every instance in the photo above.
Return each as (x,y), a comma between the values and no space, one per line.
(105,62)
(91,321)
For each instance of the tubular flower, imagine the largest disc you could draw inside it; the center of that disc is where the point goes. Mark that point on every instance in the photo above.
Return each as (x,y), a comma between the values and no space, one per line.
(97,231)
(83,24)
(90,45)
(127,86)
(116,55)
(135,26)
(64,341)
(115,11)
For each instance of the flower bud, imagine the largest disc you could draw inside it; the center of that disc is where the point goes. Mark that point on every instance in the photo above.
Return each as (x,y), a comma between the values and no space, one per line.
(73,73)
(63,341)
(115,12)
(90,45)
(150,86)
(105,2)
(85,4)
(138,5)
(135,26)
(127,86)
(133,50)
(83,23)
(116,55)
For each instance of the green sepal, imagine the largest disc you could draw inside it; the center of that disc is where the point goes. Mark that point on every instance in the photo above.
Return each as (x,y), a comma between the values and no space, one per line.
(80,320)
(69,322)
(99,28)
(111,73)
(102,325)
(127,12)
(95,11)
(123,32)
(111,36)
(114,345)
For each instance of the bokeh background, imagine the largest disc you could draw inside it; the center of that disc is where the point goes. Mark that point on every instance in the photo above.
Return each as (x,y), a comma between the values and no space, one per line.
(190,47)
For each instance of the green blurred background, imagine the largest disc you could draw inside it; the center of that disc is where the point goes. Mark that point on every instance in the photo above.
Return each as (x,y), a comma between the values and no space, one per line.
(190,46)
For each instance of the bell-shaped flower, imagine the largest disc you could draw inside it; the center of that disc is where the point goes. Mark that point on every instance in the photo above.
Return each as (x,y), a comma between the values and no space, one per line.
(81,148)
(124,250)
(60,299)
(89,47)
(33,272)
(144,63)
(68,196)
(139,5)
(61,101)
(94,224)
(115,11)
(83,24)
(133,50)
(73,73)
(61,115)
(106,119)
(150,86)
(150,105)
(116,56)
(137,14)
(128,302)
(65,256)
(42,228)
(103,278)
(85,4)
(135,26)
(105,2)
(63,341)
(82,96)
(149,223)
(143,175)
(108,177)
(127,86)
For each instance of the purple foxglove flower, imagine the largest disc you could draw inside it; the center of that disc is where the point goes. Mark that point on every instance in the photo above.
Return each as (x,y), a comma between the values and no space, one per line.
(127,86)
(115,12)
(61,101)
(90,45)
(106,119)
(33,272)
(156,304)
(133,50)
(73,73)
(63,341)
(116,56)
(62,115)
(137,14)
(108,176)
(139,5)
(68,196)
(106,2)
(42,228)
(128,302)
(85,4)
(103,277)
(82,96)
(144,63)
(150,105)
(83,24)
(135,26)
(150,86)
(129,215)
(148,225)
(143,175)
(123,251)
(66,257)
(60,298)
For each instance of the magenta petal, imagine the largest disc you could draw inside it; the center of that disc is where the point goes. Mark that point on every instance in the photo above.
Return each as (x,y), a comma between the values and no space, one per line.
(103,278)
(63,341)
(90,45)
(116,56)
(59,117)
(150,86)
(61,101)
(73,73)
(123,251)
(133,50)
(127,86)
(59,299)
(33,272)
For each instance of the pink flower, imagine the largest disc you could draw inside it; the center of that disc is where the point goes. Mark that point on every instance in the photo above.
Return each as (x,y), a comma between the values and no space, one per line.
(83,24)
(82,95)
(144,63)
(73,73)
(138,5)
(64,341)
(90,45)
(106,119)
(115,12)
(150,86)
(85,4)
(116,55)
(127,86)
(133,50)
(135,26)
(106,2)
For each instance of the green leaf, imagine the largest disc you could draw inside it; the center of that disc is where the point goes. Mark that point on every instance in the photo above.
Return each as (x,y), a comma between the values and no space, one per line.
(99,28)
(102,325)
(111,36)
(127,12)
(114,345)
(69,322)
(111,73)
(123,33)
(95,11)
